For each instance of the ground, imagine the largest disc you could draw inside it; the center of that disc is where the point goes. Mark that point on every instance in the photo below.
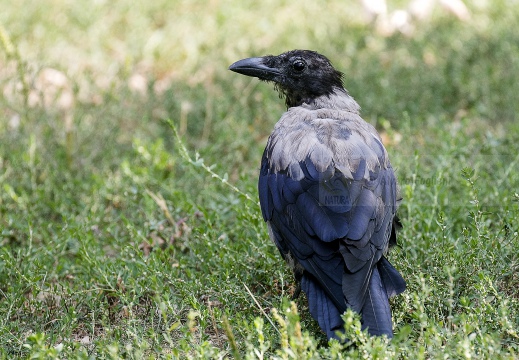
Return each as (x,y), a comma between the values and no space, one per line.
(129,155)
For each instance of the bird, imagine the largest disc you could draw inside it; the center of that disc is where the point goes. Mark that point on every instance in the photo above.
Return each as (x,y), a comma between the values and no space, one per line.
(328,193)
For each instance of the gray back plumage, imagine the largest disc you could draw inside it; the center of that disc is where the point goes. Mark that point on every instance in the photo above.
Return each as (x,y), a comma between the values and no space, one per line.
(329,132)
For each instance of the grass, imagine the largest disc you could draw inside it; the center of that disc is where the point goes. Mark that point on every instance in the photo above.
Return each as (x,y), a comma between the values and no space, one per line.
(120,239)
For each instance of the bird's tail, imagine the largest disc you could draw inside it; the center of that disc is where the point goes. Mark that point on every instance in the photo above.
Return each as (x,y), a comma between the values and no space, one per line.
(321,307)
(385,282)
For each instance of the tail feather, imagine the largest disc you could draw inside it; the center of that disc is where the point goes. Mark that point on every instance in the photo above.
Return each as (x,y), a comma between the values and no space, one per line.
(321,307)
(376,314)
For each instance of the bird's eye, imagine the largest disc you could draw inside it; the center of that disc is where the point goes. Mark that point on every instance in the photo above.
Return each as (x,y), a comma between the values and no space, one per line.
(298,65)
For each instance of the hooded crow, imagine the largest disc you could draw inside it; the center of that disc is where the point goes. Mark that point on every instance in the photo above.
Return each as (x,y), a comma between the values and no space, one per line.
(328,193)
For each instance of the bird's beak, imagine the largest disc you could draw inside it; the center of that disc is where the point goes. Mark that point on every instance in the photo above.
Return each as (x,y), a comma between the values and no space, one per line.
(255,67)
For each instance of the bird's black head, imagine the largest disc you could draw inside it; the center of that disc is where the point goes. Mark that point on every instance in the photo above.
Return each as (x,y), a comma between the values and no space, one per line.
(300,75)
